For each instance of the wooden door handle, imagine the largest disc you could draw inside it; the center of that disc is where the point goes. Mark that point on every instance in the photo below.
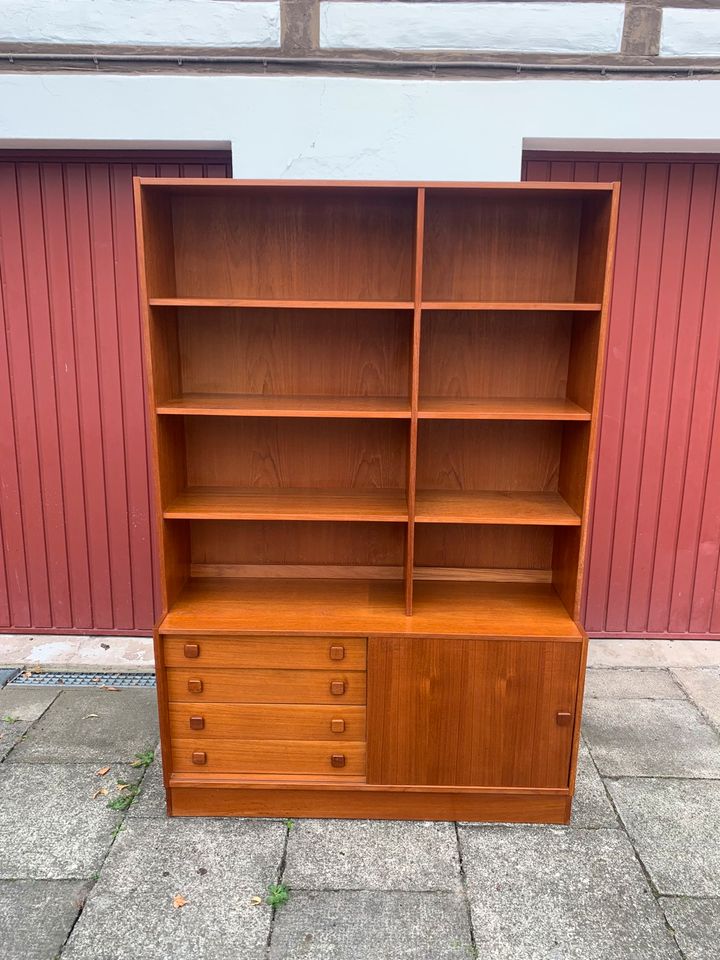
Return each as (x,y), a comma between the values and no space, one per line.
(337,652)
(197,723)
(337,760)
(195,686)
(337,687)
(337,726)
(199,757)
(563,719)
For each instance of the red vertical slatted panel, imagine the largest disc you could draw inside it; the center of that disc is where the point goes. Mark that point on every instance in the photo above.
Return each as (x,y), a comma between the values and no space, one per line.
(654,543)
(74,471)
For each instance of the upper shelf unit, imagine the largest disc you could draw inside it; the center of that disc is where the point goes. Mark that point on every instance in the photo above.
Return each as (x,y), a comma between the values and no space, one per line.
(298,247)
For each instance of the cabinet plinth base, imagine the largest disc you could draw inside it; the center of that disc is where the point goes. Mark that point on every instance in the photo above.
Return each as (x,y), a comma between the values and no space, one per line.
(498,806)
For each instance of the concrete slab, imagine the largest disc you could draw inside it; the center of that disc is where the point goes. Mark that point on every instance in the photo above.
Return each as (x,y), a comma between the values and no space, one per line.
(650,738)
(151,800)
(673,825)
(26,703)
(372,855)
(332,925)
(217,866)
(11,733)
(696,923)
(653,653)
(591,807)
(703,687)
(78,653)
(636,683)
(548,893)
(51,828)
(37,915)
(89,725)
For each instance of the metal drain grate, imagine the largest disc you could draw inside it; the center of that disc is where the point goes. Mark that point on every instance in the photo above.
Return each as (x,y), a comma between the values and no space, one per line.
(57,678)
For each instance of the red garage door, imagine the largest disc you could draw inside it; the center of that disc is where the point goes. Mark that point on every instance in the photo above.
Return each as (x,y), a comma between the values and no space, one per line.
(74,492)
(655,534)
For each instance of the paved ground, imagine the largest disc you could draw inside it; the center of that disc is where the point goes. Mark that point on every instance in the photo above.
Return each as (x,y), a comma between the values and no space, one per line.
(635,877)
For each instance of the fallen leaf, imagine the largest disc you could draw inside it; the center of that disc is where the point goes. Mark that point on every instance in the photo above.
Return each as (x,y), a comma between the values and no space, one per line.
(89,716)
(102,792)
(179,901)
(122,786)
(110,689)
(27,673)
(95,680)
(102,771)
(256,901)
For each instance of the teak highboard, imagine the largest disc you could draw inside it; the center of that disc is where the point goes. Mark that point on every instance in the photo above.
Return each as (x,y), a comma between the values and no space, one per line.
(373,409)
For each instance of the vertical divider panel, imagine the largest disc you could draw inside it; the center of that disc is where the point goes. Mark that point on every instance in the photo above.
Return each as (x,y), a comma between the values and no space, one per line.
(414,393)
(597,377)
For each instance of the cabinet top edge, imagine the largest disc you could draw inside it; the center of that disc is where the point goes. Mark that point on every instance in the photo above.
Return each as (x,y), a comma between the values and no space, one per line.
(211,183)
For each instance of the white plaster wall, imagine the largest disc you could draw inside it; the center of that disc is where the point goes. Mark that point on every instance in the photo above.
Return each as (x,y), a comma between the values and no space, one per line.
(187,23)
(690,33)
(353,128)
(530,27)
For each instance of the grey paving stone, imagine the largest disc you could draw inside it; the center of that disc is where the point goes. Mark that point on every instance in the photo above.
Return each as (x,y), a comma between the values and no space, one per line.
(26,703)
(151,800)
(215,865)
(372,855)
(92,725)
(631,684)
(675,828)
(696,923)
(591,806)
(549,893)
(703,686)
(50,827)
(36,916)
(335,925)
(7,674)
(649,738)
(11,733)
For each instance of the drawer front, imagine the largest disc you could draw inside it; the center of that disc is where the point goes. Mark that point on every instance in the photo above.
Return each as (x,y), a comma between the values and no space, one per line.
(266,686)
(269,757)
(298,653)
(266,721)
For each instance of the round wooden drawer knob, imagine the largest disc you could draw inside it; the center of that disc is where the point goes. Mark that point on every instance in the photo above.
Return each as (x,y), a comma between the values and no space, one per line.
(199,757)
(337,760)
(337,687)
(337,652)
(337,726)
(197,723)
(192,650)
(195,686)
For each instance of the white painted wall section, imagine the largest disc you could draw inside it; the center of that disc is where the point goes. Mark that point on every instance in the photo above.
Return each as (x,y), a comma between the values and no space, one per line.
(690,33)
(527,27)
(187,23)
(350,127)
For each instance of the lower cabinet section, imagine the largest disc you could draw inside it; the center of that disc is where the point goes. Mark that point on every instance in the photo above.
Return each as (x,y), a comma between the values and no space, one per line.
(424,728)
(485,713)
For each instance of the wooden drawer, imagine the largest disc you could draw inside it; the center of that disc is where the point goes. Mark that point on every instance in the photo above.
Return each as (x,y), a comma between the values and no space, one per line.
(300,653)
(267,721)
(266,757)
(266,686)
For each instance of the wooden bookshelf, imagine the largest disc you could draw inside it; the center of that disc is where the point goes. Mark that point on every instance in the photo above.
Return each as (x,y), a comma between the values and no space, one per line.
(374,410)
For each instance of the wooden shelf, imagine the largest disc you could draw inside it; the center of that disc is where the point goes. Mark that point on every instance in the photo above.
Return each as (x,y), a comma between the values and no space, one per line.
(545,306)
(368,606)
(237,405)
(501,507)
(282,304)
(499,408)
(262,503)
